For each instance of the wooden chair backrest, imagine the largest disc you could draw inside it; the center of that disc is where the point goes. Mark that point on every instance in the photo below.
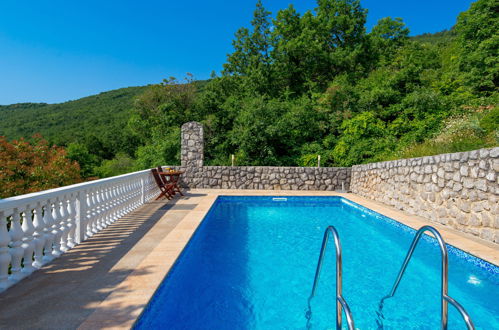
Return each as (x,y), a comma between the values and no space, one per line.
(157,178)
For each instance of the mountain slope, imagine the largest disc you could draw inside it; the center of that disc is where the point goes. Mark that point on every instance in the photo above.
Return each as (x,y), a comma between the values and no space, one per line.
(71,121)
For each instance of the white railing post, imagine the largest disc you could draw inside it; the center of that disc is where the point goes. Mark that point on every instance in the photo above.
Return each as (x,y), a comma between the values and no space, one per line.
(4,253)
(70,207)
(64,224)
(16,251)
(142,192)
(28,245)
(81,216)
(38,237)
(47,232)
(56,215)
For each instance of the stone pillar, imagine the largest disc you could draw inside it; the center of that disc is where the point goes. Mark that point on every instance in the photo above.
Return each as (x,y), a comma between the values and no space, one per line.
(192,145)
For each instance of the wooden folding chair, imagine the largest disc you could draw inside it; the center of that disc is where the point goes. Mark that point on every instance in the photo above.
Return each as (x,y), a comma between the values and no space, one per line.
(171,179)
(166,189)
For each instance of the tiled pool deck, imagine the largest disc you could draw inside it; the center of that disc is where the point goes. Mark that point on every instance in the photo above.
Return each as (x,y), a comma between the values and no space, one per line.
(105,282)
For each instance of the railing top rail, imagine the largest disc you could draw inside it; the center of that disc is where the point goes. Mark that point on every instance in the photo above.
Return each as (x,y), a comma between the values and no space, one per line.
(21,200)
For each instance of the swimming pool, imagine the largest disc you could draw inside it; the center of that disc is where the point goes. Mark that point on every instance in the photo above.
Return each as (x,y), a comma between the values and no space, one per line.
(251,265)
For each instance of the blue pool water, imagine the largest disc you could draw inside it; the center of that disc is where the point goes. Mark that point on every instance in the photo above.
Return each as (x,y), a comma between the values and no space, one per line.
(251,264)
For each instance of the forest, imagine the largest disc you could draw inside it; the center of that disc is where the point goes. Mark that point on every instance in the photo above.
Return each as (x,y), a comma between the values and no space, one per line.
(294,87)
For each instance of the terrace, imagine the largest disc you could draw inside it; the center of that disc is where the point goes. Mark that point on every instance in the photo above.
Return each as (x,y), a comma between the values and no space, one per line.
(100,249)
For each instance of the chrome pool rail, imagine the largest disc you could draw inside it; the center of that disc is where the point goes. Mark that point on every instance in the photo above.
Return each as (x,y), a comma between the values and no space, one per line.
(444,275)
(341,304)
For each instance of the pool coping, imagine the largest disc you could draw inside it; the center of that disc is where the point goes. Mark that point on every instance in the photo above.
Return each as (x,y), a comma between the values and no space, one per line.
(142,283)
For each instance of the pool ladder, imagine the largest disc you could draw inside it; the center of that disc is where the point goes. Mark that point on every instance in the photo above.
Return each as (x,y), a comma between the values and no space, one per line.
(341,304)
(445,298)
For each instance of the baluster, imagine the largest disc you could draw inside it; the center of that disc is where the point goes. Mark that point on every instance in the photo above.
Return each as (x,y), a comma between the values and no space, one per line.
(47,232)
(4,253)
(16,251)
(136,194)
(129,197)
(28,245)
(125,199)
(119,200)
(122,199)
(56,214)
(105,202)
(109,202)
(38,237)
(113,204)
(71,221)
(90,214)
(95,213)
(93,204)
(98,210)
(64,224)
(132,196)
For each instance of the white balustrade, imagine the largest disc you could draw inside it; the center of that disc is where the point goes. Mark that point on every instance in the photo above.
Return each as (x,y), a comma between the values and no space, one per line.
(36,228)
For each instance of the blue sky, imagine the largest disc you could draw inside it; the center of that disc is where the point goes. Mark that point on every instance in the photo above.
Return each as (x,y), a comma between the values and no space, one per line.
(53,51)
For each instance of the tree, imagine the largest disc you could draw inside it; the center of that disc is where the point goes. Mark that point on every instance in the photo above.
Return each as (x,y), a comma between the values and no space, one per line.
(388,35)
(79,153)
(478,35)
(28,167)
(251,48)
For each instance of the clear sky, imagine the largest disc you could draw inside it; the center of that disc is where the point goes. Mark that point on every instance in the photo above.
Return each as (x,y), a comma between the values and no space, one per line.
(58,50)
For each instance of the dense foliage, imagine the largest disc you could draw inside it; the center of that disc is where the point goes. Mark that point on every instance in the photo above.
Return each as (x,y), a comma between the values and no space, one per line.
(297,86)
(301,85)
(93,128)
(28,167)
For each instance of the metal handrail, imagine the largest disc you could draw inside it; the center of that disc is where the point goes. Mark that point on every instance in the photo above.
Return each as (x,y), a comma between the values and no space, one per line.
(444,274)
(340,301)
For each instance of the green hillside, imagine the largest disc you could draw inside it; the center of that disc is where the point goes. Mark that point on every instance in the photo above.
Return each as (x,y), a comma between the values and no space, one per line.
(444,36)
(294,87)
(101,118)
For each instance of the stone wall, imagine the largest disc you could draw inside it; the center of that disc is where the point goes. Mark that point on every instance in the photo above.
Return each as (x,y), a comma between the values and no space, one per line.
(272,178)
(251,177)
(267,177)
(459,190)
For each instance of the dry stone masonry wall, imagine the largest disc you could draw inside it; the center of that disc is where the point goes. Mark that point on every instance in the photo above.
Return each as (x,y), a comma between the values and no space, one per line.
(271,178)
(252,177)
(266,177)
(459,190)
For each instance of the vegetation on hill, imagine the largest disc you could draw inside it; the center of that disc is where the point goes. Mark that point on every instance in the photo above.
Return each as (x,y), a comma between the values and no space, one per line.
(99,122)
(296,86)
(28,167)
